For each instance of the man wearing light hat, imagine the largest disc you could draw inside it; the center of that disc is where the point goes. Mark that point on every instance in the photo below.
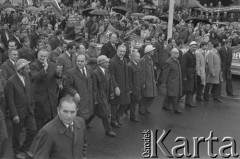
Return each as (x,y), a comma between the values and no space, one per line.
(149,89)
(102,92)
(18,94)
(189,73)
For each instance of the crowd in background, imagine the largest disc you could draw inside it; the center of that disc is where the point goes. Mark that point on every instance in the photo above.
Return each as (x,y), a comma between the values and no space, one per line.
(120,74)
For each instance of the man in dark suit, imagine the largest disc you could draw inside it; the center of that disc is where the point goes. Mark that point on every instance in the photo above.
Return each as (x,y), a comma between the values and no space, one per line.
(16,38)
(78,83)
(56,40)
(102,93)
(58,51)
(189,74)
(34,37)
(8,67)
(135,84)
(119,72)
(226,62)
(5,35)
(110,49)
(64,137)
(44,75)
(18,94)
(26,52)
(172,78)
(65,59)
(11,45)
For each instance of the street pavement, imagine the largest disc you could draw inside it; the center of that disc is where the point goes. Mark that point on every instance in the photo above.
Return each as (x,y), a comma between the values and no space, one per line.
(220,118)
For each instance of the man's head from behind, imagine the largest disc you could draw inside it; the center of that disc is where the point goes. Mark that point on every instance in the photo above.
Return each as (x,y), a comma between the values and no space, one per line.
(67,109)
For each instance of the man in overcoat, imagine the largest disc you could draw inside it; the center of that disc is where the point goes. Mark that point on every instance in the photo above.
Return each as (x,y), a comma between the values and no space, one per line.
(226,62)
(110,49)
(78,83)
(18,95)
(45,75)
(8,67)
(189,74)
(103,91)
(172,77)
(64,137)
(135,84)
(149,89)
(119,72)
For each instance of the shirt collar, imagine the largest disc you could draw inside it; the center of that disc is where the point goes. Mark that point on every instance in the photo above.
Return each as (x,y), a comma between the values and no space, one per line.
(12,61)
(102,69)
(20,76)
(67,125)
(134,62)
(68,53)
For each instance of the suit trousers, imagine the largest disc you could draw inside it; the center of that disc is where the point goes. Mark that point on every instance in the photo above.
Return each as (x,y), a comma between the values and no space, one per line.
(132,107)
(228,78)
(117,111)
(189,97)
(3,137)
(29,123)
(145,103)
(106,124)
(170,100)
(214,88)
(200,87)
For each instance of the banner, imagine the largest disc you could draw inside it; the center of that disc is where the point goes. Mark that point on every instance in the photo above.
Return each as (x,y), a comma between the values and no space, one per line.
(217,9)
(105,36)
(57,10)
(73,21)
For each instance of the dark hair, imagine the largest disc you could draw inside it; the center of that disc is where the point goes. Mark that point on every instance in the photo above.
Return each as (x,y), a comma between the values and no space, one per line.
(170,40)
(25,39)
(58,32)
(203,43)
(68,99)
(70,45)
(160,34)
(147,39)
(216,44)
(179,42)
(12,41)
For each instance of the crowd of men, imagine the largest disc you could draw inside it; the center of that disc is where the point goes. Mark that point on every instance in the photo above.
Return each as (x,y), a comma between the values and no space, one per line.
(47,82)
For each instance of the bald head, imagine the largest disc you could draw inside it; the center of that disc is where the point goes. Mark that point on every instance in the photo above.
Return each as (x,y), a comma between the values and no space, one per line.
(175,53)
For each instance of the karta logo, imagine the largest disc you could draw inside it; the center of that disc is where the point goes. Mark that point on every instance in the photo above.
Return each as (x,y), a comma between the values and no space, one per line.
(153,142)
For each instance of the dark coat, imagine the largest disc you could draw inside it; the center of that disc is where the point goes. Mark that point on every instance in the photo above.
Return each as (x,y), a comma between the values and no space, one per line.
(18,41)
(135,83)
(18,97)
(8,69)
(172,76)
(33,39)
(119,73)
(55,54)
(102,89)
(76,82)
(108,50)
(158,54)
(45,90)
(4,37)
(56,142)
(26,53)
(55,42)
(149,88)
(226,58)
(189,71)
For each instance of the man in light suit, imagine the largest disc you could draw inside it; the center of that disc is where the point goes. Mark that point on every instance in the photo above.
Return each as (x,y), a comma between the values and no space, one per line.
(201,66)
(19,99)
(64,137)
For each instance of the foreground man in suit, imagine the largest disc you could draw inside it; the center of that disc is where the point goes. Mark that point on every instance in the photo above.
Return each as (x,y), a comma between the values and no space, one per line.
(63,137)
(18,94)
(172,77)
(102,92)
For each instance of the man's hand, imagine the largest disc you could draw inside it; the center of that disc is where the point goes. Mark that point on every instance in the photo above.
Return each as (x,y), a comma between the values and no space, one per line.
(60,86)
(59,70)
(117,91)
(16,119)
(77,97)
(144,85)
(45,64)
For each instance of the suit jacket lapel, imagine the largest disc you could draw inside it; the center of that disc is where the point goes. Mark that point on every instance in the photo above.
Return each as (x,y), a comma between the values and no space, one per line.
(20,82)
(63,129)
(78,72)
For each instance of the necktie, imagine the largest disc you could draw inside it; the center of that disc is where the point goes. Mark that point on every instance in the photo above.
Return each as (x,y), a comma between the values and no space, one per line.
(84,73)
(70,128)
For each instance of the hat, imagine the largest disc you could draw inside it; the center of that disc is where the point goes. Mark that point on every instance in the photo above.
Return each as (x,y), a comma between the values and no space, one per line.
(101,59)
(148,48)
(21,63)
(193,43)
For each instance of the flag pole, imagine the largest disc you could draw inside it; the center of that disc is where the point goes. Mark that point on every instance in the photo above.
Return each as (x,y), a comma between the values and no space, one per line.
(170,18)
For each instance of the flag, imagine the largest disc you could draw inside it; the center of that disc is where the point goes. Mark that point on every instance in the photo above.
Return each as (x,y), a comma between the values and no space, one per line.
(57,10)
(105,36)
